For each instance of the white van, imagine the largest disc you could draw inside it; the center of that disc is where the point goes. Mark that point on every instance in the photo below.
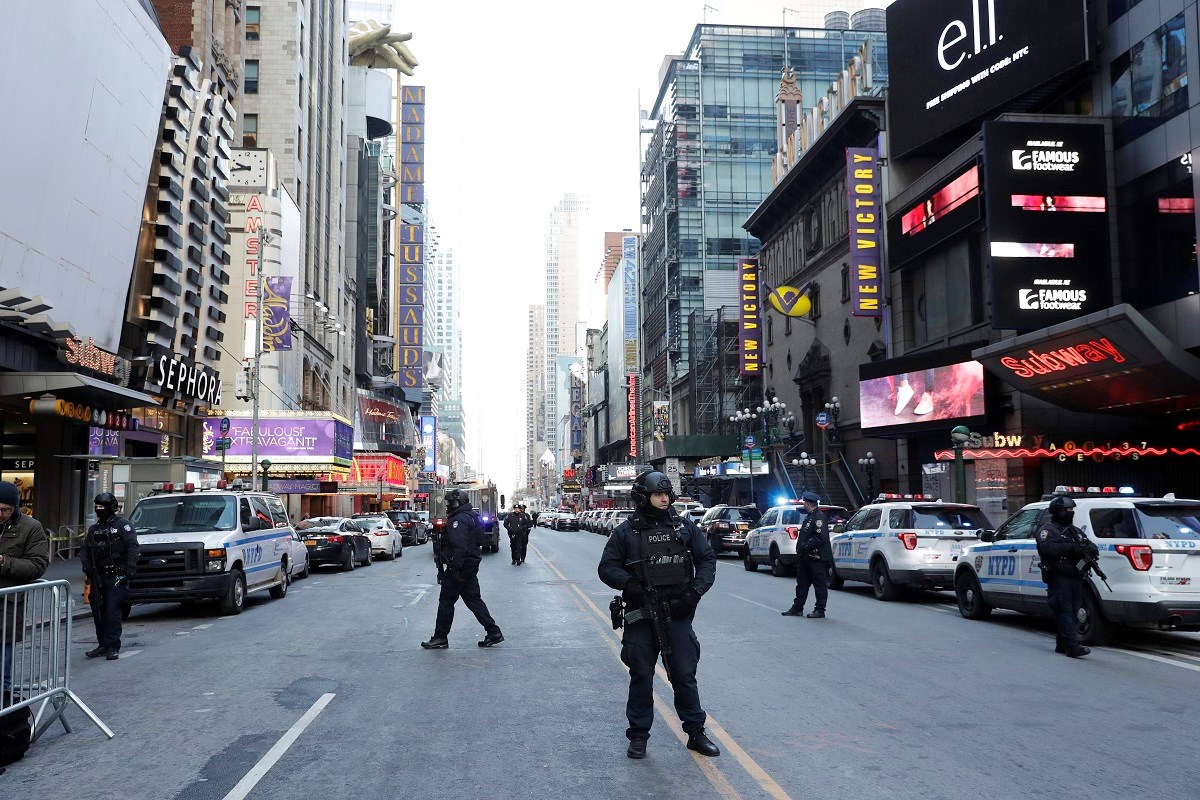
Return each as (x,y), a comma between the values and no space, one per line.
(201,544)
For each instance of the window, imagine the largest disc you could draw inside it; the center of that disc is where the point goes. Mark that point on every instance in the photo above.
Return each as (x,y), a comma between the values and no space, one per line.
(250,80)
(250,130)
(1019,527)
(1113,523)
(277,512)
(252,20)
(866,519)
(300,93)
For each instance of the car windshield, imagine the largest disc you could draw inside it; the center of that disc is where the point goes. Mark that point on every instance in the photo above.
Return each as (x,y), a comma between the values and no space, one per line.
(1174,521)
(937,518)
(185,514)
(744,514)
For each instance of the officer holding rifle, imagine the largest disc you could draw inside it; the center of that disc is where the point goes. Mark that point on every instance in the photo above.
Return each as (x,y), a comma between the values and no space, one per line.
(662,565)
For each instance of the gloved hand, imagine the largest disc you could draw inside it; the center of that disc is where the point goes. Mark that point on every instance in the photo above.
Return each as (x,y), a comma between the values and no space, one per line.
(633,594)
(1078,551)
(684,606)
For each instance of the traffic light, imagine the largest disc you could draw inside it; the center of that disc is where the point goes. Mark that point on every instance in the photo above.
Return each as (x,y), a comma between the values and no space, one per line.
(502,501)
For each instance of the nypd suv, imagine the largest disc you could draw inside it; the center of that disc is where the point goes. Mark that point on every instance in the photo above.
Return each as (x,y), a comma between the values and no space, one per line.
(1149,549)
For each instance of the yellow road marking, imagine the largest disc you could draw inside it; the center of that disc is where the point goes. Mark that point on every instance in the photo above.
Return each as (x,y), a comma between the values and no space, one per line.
(714,775)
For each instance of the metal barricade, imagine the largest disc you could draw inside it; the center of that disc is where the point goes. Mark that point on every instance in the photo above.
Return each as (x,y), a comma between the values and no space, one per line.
(67,542)
(35,649)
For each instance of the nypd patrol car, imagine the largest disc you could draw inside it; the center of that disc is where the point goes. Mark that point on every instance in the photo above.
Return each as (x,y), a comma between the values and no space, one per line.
(1149,549)
(199,544)
(904,541)
(772,540)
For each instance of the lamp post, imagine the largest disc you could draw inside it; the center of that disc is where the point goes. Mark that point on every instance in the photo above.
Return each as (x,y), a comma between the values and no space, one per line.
(867,465)
(959,436)
(746,420)
(804,462)
(772,412)
(263,238)
(834,407)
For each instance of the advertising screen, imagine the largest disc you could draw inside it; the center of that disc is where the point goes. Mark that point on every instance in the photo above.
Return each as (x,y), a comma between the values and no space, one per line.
(904,394)
(953,61)
(1047,220)
(936,217)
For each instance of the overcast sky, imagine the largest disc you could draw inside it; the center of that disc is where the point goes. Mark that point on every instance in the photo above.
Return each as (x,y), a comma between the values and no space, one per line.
(526,101)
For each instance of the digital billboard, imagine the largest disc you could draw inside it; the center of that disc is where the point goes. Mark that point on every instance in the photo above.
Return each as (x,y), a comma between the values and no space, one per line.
(903,395)
(1047,222)
(935,217)
(953,61)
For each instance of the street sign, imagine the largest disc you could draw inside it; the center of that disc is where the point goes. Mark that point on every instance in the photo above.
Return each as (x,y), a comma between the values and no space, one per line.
(822,419)
(750,442)
(224,443)
(224,425)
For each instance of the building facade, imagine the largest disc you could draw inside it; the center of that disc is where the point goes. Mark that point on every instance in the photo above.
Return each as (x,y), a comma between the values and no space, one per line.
(563,309)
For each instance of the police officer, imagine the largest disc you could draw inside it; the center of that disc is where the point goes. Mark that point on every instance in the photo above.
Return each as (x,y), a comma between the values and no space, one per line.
(109,555)
(461,555)
(813,557)
(682,567)
(518,525)
(1063,548)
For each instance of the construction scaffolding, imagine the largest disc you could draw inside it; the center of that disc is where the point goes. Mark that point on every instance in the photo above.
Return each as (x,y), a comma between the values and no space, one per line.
(713,381)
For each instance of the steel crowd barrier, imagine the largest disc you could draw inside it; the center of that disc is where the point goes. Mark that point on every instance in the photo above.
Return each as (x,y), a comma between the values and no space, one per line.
(35,649)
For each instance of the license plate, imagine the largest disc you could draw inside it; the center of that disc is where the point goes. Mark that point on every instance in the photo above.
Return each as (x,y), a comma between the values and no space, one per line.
(310,543)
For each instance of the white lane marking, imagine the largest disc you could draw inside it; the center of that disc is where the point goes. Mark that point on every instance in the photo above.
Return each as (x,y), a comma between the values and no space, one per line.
(256,773)
(1152,657)
(1170,651)
(183,633)
(129,653)
(202,627)
(748,600)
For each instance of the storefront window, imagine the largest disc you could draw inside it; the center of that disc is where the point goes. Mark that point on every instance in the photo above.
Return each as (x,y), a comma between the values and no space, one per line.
(1149,81)
(1157,224)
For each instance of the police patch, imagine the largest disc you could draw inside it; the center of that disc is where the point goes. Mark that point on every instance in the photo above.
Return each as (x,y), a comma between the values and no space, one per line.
(819,523)
(978,563)
(453,524)
(1043,535)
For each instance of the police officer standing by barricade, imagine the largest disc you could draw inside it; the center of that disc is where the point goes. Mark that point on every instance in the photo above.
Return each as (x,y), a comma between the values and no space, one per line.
(1065,553)
(814,554)
(109,555)
(518,525)
(460,553)
(663,566)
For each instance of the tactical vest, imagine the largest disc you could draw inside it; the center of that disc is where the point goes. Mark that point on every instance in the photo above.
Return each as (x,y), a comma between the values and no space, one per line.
(669,556)
(108,548)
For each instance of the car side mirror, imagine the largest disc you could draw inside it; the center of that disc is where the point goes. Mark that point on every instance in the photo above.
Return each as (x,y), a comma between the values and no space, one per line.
(838,527)
(987,536)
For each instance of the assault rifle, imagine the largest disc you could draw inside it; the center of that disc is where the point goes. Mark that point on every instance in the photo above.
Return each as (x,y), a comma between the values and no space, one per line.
(1092,565)
(656,610)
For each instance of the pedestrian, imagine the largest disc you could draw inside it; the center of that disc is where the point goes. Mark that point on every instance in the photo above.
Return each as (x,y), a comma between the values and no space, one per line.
(1064,550)
(460,553)
(110,553)
(518,525)
(814,554)
(24,556)
(680,566)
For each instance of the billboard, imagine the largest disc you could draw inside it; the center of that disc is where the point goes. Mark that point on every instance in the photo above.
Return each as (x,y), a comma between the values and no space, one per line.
(749,319)
(284,440)
(429,442)
(935,217)
(904,395)
(863,206)
(953,61)
(410,302)
(383,425)
(629,302)
(1047,222)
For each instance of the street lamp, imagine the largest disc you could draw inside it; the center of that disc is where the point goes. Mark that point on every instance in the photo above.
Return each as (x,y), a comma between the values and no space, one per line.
(959,436)
(834,407)
(804,461)
(746,420)
(772,412)
(867,465)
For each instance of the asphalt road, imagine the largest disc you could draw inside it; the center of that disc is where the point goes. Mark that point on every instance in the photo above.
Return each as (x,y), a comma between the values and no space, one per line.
(326,693)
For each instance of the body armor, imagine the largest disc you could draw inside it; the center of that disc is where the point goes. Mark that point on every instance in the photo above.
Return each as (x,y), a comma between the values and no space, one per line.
(670,559)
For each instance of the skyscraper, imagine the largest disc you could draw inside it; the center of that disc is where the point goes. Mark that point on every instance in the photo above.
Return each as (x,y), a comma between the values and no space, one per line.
(535,408)
(564,265)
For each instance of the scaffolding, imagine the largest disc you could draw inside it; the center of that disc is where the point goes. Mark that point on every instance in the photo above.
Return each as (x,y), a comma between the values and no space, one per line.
(713,379)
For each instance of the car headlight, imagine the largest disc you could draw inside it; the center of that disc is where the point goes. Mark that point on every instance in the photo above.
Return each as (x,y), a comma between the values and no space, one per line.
(214,560)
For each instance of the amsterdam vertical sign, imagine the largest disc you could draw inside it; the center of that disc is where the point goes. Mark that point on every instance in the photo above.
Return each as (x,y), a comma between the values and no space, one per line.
(863,208)
(410,307)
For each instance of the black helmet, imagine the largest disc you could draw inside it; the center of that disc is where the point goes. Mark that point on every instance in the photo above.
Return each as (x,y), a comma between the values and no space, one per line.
(1062,508)
(106,501)
(455,499)
(649,483)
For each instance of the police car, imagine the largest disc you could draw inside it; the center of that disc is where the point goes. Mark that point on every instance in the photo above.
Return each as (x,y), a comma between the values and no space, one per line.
(1149,549)
(772,541)
(904,541)
(200,543)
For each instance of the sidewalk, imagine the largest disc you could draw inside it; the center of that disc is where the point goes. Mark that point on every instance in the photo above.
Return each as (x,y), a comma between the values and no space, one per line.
(68,569)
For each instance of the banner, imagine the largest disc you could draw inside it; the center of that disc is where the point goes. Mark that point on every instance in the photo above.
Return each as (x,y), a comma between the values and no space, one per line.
(662,418)
(866,224)
(429,442)
(277,315)
(283,438)
(749,319)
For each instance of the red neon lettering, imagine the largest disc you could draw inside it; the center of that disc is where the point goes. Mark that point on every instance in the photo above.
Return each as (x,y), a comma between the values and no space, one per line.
(1064,358)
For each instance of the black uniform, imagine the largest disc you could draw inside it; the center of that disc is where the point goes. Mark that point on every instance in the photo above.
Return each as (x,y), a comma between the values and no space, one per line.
(1061,549)
(518,525)
(109,555)
(687,564)
(461,555)
(813,557)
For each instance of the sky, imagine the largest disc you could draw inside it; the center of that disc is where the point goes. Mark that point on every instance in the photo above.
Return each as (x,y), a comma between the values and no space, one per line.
(526,101)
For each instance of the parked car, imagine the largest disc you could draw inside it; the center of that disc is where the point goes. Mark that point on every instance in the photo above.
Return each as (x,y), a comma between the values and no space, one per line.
(618,516)
(546,518)
(299,566)
(387,540)
(566,520)
(336,540)
(425,526)
(772,541)
(1149,549)
(695,514)
(726,526)
(413,530)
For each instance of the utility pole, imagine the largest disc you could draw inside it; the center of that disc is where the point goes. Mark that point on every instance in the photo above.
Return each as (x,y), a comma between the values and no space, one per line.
(255,383)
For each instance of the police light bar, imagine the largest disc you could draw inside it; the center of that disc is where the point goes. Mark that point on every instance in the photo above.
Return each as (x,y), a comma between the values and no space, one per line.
(1095,490)
(164,487)
(885,496)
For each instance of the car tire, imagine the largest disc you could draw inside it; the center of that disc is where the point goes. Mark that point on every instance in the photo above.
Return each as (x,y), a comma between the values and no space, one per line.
(399,553)
(748,562)
(348,564)
(279,592)
(881,581)
(778,568)
(366,562)
(235,597)
(307,568)
(835,581)
(1094,629)
(969,594)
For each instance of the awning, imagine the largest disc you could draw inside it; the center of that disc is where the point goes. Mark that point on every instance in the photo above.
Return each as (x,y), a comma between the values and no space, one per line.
(1113,360)
(73,386)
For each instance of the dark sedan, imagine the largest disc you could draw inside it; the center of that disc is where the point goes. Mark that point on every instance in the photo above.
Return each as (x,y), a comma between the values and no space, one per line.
(411,527)
(335,540)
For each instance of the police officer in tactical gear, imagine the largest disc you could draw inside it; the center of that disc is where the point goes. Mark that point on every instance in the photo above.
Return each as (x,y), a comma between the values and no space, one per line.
(813,557)
(461,555)
(1063,550)
(518,525)
(109,555)
(682,567)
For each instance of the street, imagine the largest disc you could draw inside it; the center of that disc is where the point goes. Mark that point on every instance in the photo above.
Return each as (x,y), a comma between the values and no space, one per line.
(326,693)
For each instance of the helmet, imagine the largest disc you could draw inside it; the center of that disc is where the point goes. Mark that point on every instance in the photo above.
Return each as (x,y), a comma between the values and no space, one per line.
(106,501)
(1062,508)
(455,499)
(649,483)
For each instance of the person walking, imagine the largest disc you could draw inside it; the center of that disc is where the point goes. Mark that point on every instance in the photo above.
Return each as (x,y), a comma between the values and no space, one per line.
(814,554)
(1064,550)
(461,555)
(24,556)
(681,566)
(109,555)
(518,525)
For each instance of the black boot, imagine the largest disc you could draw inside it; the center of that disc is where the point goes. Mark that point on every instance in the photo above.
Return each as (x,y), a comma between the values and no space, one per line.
(436,643)
(818,614)
(97,652)
(112,655)
(495,637)
(702,745)
(637,748)
(1059,647)
(792,612)
(1078,651)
